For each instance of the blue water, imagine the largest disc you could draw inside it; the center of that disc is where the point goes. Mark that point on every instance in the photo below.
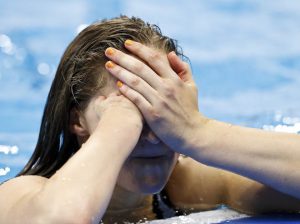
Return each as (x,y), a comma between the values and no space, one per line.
(245,57)
(272,219)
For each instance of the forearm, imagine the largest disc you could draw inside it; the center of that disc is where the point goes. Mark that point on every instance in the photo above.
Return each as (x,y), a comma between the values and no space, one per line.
(82,188)
(268,157)
(252,197)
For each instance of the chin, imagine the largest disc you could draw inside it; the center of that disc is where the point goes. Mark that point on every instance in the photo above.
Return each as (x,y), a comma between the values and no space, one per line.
(146,176)
(150,185)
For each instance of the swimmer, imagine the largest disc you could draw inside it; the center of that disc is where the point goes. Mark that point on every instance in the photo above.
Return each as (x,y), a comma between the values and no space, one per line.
(103,151)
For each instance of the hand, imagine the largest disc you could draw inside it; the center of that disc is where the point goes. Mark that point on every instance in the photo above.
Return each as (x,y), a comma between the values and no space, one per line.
(164,92)
(116,117)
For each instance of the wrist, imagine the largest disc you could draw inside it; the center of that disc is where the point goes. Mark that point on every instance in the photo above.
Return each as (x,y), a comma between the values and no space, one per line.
(118,132)
(200,138)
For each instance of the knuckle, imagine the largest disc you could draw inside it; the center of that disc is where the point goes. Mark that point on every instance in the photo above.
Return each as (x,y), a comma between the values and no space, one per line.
(163,104)
(154,115)
(135,100)
(169,90)
(155,56)
(138,67)
(135,81)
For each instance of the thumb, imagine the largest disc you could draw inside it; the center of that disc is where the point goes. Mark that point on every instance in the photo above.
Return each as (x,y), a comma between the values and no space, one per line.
(181,68)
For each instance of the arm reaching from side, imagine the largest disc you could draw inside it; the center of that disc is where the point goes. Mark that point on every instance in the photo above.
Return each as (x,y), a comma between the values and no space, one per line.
(169,105)
(80,191)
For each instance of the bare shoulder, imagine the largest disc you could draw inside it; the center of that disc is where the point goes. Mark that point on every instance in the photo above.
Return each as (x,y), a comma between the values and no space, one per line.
(195,185)
(21,184)
(15,190)
(189,172)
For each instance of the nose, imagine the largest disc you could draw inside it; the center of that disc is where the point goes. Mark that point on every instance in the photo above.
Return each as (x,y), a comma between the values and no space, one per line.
(149,136)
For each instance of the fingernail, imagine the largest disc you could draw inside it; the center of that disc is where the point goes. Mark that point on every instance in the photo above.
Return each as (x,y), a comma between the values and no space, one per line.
(110,51)
(119,84)
(109,64)
(128,42)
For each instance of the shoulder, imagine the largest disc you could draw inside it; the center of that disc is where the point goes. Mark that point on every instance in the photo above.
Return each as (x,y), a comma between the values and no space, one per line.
(14,190)
(22,183)
(190,172)
(195,185)
(184,173)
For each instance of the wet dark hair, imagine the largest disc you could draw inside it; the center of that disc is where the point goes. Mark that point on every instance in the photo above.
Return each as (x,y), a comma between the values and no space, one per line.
(79,77)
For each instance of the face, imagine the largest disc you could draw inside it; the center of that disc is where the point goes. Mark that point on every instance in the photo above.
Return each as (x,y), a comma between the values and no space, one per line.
(149,166)
(151,162)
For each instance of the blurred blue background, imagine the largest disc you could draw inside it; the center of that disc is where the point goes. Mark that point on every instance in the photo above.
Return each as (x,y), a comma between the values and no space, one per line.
(244,53)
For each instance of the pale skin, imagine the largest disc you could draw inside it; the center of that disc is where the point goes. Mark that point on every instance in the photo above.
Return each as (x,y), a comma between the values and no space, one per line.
(169,105)
(72,195)
(121,162)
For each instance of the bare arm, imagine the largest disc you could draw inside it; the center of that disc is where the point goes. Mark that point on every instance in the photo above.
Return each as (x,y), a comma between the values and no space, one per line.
(164,91)
(80,191)
(268,157)
(203,188)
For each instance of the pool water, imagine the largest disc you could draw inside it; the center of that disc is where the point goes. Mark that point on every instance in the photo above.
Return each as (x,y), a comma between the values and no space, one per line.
(245,58)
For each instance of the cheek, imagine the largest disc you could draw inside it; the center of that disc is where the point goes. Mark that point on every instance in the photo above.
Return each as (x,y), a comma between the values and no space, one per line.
(146,176)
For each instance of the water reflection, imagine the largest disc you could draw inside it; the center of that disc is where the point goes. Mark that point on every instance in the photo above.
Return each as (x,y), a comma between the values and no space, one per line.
(282,123)
(43,68)
(6,44)
(9,149)
(5,149)
(4,171)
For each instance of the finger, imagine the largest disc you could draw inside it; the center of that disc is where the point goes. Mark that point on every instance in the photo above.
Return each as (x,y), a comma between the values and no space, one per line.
(134,65)
(176,64)
(181,68)
(113,94)
(135,97)
(135,82)
(156,59)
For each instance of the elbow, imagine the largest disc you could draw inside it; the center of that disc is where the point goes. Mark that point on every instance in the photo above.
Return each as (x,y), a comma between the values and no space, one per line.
(59,208)
(69,215)
(65,213)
